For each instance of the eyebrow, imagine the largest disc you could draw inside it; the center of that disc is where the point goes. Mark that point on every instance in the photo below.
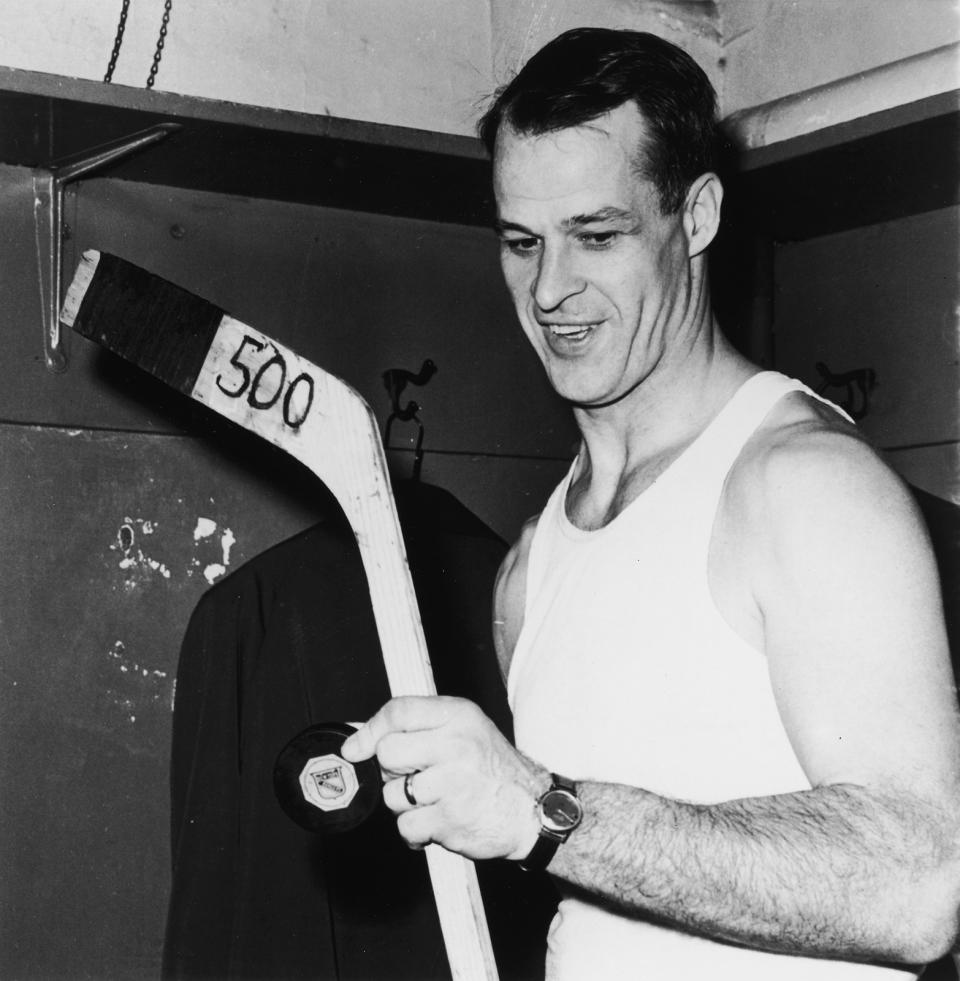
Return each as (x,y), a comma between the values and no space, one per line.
(604,214)
(574,221)
(509,226)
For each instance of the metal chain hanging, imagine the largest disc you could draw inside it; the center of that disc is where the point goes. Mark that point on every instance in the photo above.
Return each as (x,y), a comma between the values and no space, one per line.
(158,54)
(118,41)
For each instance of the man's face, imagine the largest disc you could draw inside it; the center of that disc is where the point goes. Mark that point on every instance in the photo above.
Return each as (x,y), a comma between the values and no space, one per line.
(598,275)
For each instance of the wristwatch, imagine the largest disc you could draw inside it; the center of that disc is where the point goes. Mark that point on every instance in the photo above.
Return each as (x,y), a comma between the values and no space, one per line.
(560,812)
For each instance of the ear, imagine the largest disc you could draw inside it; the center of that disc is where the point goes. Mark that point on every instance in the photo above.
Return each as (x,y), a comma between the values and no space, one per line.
(701,212)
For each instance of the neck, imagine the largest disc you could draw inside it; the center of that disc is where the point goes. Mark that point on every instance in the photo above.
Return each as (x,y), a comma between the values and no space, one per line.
(662,415)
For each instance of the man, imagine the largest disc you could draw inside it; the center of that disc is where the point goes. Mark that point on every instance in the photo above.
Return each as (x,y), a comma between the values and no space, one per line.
(738,741)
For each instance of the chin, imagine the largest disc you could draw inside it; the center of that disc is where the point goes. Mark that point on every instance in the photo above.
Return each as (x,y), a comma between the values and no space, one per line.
(589,383)
(580,398)
(593,398)
(581,384)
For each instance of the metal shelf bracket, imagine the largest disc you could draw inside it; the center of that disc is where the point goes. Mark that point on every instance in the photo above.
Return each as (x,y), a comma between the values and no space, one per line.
(48,185)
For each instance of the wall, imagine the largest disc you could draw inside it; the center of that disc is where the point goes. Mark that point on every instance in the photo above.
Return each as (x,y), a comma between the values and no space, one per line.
(417,63)
(108,540)
(428,63)
(776,48)
(883,297)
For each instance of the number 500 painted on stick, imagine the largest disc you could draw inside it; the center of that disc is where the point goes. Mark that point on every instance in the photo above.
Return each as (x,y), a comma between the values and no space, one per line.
(269,390)
(298,395)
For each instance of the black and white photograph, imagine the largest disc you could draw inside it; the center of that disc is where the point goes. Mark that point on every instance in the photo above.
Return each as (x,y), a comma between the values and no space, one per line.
(480,490)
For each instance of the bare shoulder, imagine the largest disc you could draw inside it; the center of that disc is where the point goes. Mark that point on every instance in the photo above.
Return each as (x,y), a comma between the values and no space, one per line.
(807,463)
(810,502)
(510,595)
(805,492)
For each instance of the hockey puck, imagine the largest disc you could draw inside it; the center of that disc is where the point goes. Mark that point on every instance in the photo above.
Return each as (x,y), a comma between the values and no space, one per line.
(319,789)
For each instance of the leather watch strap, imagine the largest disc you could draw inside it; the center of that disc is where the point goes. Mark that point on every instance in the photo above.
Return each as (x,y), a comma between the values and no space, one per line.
(550,839)
(541,855)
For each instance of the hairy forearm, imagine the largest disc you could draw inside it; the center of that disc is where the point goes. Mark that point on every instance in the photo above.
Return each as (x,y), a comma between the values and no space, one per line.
(834,871)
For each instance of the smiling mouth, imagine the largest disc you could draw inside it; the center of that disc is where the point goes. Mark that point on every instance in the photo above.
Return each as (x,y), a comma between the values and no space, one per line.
(571,332)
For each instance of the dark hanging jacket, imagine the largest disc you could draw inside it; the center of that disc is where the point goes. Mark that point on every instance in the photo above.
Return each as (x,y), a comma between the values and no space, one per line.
(286,641)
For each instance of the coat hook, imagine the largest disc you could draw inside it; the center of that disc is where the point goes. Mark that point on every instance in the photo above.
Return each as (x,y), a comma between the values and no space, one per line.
(863,380)
(395,380)
(48,184)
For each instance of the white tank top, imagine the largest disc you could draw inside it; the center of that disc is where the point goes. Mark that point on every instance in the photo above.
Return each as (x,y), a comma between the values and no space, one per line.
(625,672)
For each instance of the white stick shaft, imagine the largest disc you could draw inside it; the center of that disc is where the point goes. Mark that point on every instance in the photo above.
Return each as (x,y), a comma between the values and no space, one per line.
(269,390)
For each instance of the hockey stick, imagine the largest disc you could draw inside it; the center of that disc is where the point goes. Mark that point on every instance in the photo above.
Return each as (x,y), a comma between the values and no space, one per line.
(266,388)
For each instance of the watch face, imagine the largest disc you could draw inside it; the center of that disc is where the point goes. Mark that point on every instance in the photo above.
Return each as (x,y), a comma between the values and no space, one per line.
(560,810)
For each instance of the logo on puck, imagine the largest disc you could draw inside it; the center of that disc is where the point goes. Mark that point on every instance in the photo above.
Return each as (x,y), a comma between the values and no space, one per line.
(328,782)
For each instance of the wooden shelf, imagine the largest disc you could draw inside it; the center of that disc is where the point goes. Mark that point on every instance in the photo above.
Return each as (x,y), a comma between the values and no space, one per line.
(881,167)
(248,151)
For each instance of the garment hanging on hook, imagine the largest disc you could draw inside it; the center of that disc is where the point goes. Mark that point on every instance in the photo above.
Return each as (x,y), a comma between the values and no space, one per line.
(288,640)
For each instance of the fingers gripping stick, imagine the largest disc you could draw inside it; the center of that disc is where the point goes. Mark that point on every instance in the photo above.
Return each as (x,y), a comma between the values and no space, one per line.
(267,389)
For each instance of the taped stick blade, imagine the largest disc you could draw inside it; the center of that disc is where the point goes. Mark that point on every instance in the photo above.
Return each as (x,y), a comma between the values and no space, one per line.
(143,318)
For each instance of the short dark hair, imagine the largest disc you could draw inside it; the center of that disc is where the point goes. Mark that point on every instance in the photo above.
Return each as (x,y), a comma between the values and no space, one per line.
(587,72)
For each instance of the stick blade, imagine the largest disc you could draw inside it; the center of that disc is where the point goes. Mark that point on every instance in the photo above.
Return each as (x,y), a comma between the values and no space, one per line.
(241,374)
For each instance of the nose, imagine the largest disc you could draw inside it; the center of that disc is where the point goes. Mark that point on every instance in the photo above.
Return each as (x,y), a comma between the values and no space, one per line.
(557,279)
